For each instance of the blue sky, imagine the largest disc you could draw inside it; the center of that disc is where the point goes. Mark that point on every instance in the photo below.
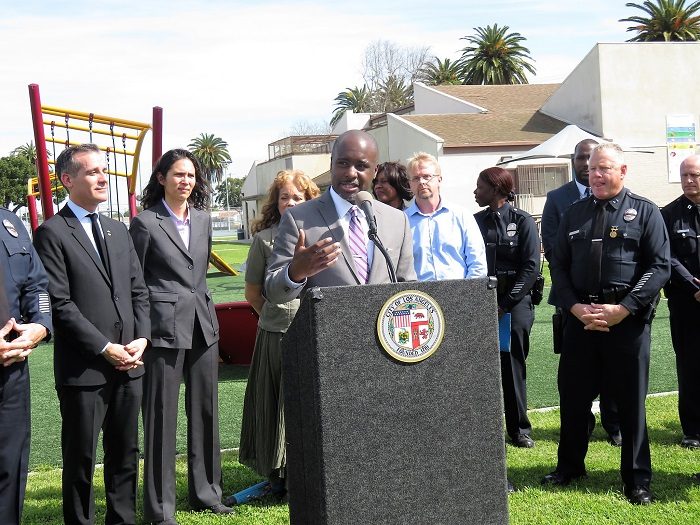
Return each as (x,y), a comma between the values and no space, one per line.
(248,72)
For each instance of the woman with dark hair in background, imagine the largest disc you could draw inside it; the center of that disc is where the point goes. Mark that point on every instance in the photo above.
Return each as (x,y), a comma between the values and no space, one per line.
(513,256)
(390,185)
(262,428)
(173,240)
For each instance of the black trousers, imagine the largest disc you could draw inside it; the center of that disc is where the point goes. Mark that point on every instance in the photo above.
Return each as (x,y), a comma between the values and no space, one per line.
(684,314)
(15,428)
(114,408)
(165,370)
(619,362)
(513,370)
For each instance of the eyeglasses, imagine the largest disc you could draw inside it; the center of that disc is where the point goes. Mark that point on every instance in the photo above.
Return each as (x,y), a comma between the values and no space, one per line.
(424,179)
(602,169)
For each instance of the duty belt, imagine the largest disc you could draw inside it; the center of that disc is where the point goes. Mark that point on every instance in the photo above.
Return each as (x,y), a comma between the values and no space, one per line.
(606,296)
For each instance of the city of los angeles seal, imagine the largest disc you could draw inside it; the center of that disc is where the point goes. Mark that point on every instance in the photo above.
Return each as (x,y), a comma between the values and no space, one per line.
(410,326)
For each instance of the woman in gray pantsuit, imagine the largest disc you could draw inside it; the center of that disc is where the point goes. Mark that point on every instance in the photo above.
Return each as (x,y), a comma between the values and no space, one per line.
(173,240)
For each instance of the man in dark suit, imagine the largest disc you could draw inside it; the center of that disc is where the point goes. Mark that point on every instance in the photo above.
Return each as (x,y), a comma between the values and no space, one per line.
(25,320)
(173,239)
(682,218)
(317,243)
(101,318)
(556,204)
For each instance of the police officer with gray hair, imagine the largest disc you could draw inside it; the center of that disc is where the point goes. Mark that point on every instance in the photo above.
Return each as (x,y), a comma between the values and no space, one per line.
(610,261)
(25,320)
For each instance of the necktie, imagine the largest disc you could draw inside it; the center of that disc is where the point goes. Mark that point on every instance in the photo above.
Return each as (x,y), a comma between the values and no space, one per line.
(358,245)
(4,305)
(99,241)
(587,193)
(596,247)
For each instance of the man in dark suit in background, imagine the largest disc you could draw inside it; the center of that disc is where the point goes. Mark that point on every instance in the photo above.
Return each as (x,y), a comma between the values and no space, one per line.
(317,244)
(101,318)
(557,202)
(25,320)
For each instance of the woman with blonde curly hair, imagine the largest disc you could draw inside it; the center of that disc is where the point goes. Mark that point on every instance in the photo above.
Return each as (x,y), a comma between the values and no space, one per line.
(262,429)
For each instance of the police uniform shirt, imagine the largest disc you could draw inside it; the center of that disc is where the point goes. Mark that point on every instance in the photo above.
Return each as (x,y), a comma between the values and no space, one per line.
(512,248)
(26,282)
(635,255)
(683,224)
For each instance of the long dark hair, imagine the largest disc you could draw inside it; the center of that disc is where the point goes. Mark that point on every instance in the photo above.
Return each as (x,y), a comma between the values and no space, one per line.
(397,177)
(153,192)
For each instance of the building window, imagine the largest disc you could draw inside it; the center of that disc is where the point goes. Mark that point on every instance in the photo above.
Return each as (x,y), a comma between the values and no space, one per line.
(537,180)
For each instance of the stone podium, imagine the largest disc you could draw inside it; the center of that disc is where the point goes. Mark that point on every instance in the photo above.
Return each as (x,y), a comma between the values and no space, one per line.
(375,440)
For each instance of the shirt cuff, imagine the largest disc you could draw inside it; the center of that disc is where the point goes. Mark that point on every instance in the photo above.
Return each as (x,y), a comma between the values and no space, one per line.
(105,348)
(291,284)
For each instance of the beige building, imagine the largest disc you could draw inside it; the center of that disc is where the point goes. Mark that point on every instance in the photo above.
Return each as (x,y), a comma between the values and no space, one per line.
(636,94)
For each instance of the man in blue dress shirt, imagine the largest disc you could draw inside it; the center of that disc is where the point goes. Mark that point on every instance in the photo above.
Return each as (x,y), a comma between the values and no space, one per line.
(447,243)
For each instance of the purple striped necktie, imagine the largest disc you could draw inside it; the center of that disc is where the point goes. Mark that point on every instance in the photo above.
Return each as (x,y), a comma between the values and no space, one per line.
(358,245)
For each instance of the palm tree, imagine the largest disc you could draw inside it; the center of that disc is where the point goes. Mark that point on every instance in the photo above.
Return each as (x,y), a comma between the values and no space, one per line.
(669,20)
(495,57)
(440,72)
(212,153)
(357,100)
(28,151)
(392,94)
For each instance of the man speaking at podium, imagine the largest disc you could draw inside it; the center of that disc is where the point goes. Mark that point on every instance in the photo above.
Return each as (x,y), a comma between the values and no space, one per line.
(325,242)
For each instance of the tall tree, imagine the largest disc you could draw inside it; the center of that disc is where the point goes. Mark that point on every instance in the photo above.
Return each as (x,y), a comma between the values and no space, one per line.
(15,171)
(393,94)
(228,194)
(667,20)
(495,57)
(356,100)
(439,72)
(213,154)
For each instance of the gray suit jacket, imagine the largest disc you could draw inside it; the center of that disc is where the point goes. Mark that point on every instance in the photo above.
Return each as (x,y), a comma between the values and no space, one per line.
(319,219)
(176,276)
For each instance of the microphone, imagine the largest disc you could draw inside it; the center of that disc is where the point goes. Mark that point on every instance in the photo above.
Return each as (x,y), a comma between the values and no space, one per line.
(363,200)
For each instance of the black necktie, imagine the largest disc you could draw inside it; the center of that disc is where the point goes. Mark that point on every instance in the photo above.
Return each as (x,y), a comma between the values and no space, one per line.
(587,193)
(597,232)
(99,241)
(4,305)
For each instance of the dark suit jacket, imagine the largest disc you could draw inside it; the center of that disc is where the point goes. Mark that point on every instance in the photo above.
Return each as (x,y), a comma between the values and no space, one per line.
(319,219)
(554,207)
(89,308)
(176,276)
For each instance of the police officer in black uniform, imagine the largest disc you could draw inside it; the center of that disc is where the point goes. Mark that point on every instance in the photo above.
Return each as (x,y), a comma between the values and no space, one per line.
(682,218)
(610,262)
(26,320)
(513,256)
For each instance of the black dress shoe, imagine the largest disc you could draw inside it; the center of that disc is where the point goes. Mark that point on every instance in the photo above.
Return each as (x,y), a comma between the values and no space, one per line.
(638,495)
(560,479)
(523,441)
(690,442)
(510,487)
(615,439)
(219,508)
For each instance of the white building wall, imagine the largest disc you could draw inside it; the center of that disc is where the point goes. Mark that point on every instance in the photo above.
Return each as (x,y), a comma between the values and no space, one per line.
(577,101)
(624,92)
(349,121)
(405,139)
(429,101)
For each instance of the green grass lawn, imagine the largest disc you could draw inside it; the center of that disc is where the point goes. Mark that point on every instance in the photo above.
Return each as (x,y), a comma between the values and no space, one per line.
(597,500)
